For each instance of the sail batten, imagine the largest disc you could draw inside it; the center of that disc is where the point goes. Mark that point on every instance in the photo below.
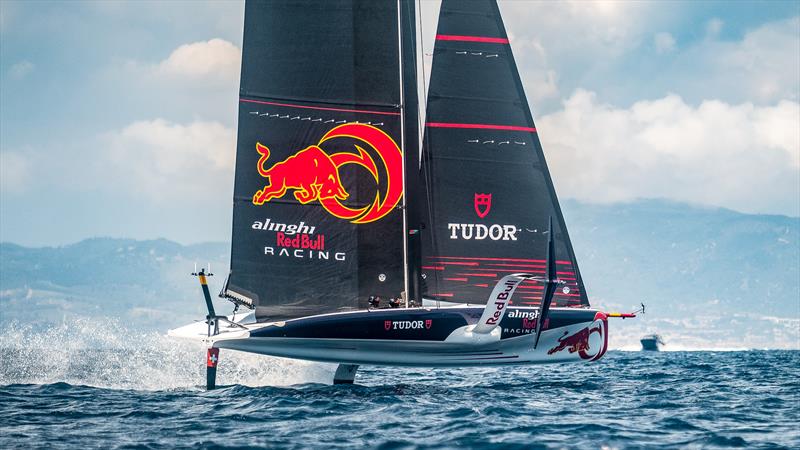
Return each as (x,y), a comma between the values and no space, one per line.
(322,108)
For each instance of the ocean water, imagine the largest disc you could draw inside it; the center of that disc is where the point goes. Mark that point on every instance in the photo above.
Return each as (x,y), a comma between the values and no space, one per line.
(91,385)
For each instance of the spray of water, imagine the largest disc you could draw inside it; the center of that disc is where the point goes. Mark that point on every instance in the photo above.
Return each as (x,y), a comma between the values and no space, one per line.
(104,353)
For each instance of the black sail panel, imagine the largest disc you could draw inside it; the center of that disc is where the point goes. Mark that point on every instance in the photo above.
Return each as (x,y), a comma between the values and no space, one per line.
(488,191)
(317,224)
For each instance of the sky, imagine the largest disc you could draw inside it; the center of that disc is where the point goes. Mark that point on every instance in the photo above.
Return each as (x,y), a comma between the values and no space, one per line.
(118,118)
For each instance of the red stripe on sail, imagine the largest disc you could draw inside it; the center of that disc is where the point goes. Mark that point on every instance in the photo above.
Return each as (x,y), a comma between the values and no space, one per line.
(455,37)
(529,266)
(456,279)
(498,259)
(459,263)
(482,126)
(320,108)
(490,275)
(441,295)
(433,267)
(509,270)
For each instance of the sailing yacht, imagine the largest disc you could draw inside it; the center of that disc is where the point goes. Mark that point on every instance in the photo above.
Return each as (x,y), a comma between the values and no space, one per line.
(364,236)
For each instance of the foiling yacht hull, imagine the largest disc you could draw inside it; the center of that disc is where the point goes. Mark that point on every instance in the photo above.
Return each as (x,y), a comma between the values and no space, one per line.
(422,337)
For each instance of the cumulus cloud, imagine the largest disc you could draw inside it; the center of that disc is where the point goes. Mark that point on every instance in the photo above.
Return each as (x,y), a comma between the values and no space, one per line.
(558,46)
(215,59)
(598,27)
(166,161)
(743,157)
(764,65)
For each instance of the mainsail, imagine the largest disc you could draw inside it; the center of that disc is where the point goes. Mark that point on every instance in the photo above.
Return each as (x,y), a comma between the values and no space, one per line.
(318,220)
(488,193)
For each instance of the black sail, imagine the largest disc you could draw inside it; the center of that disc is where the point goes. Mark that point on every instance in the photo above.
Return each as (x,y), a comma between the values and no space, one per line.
(488,193)
(317,224)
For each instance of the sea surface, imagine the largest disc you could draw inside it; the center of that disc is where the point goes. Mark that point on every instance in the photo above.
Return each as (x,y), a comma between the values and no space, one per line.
(90,385)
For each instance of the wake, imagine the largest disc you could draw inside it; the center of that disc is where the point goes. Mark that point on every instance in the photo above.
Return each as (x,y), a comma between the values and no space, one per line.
(106,354)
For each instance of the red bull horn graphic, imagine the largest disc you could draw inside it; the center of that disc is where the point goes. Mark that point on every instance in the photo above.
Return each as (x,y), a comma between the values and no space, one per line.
(314,174)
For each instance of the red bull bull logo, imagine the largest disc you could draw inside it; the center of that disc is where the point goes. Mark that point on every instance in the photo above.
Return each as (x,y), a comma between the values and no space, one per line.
(579,341)
(313,174)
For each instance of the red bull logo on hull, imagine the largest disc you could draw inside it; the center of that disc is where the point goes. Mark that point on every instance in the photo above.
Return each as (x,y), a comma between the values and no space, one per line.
(579,341)
(313,175)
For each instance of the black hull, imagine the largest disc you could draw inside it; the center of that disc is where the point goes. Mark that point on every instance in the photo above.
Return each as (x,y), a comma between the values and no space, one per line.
(418,324)
(419,337)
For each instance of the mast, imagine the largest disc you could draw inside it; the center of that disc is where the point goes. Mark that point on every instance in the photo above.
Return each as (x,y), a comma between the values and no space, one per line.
(400,56)
(410,125)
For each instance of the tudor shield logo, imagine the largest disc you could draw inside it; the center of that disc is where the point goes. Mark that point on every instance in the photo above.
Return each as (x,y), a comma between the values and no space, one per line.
(313,174)
(483,203)
(387,324)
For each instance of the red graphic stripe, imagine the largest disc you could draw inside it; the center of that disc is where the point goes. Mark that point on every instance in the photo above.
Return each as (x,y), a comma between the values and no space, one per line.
(456,279)
(491,275)
(509,270)
(524,266)
(481,126)
(455,37)
(433,267)
(320,108)
(455,263)
(441,295)
(481,285)
(499,259)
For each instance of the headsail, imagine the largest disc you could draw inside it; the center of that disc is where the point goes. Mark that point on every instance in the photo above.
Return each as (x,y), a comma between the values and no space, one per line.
(317,223)
(488,191)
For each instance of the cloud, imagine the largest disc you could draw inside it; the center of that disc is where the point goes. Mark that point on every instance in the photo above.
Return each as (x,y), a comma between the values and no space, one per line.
(743,157)
(664,42)
(20,70)
(764,65)
(605,28)
(165,161)
(216,58)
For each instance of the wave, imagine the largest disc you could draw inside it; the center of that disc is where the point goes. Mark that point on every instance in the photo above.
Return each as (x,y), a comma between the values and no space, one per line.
(102,352)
